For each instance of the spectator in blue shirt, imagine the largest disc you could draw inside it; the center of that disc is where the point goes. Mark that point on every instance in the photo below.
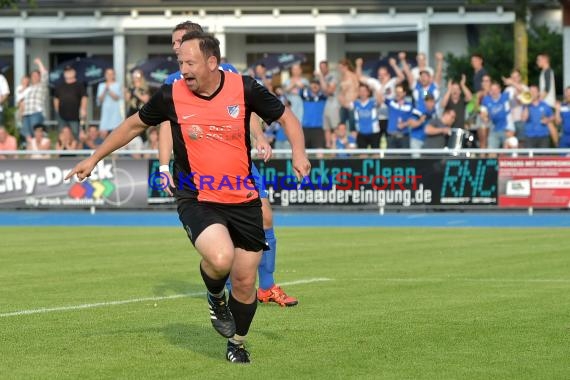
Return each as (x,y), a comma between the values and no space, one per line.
(421,117)
(366,119)
(399,111)
(343,140)
(537,117)
(563,119)
(496,109)
(313,108)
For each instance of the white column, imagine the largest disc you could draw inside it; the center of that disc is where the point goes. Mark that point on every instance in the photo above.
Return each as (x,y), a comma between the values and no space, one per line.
(221,36)
(566,55)
(119,56)
(19,58)
(320,45)
(423,38)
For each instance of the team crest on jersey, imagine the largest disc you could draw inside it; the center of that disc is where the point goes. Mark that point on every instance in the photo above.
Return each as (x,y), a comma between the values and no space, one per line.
(233,111)
(195,132)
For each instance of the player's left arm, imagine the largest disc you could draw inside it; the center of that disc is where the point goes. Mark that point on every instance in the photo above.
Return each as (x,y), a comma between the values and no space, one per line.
(270,108)
(263,147)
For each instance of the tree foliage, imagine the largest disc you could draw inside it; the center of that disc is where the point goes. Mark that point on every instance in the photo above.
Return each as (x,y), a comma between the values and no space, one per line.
(496,46)
(14,4)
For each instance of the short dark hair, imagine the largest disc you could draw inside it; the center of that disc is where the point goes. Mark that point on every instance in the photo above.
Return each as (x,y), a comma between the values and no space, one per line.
(364,85)
(40,126)
(188,26)
(209,45)
(68,68)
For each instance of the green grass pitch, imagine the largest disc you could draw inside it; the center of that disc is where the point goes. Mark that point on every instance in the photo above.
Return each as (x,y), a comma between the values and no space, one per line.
(401,303)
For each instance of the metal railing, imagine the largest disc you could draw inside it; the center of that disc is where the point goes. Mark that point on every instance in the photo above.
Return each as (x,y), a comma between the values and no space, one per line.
(333,153)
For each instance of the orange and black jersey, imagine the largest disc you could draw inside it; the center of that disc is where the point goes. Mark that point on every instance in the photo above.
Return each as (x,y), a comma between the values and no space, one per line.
(211,143)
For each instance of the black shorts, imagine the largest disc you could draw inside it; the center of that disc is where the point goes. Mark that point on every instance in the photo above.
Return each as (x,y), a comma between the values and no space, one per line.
(314,138)
(243,221)
(363,141)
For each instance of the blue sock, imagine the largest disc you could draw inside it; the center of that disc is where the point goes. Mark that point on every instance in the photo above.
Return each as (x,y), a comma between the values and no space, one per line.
(267,264)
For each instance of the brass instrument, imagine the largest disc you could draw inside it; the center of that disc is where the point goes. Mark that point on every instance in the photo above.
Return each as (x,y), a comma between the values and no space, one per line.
(525,98)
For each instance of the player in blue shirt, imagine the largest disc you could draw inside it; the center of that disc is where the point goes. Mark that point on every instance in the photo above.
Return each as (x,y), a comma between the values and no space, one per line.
(537,117)
(496,110)
(563,119)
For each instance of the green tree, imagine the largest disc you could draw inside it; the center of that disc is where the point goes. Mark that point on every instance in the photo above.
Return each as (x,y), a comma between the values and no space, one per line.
(496,46)
(543,40)
(14,4)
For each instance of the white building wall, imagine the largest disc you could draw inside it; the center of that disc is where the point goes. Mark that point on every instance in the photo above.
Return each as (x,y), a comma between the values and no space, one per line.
(447,39)
(137,50)
(552,18)
(236,50)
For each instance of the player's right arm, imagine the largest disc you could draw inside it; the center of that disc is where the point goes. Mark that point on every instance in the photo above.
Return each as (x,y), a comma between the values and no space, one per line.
(164,153)
(124,133)
(153,113)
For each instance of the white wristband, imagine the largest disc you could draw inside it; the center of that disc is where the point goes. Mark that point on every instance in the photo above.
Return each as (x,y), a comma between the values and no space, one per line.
(164,168)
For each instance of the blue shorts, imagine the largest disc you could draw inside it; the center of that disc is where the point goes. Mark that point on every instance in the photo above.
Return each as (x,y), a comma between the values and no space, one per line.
(259,182)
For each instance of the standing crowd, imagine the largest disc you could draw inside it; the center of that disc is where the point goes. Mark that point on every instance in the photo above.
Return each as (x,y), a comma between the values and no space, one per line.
(396,107)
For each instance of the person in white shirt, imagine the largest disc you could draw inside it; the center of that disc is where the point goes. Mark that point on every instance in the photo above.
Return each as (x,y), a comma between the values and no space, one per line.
(4,92)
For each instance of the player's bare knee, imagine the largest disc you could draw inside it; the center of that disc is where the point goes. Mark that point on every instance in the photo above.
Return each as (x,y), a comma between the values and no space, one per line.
(220,263)
(244,291)
(243,284)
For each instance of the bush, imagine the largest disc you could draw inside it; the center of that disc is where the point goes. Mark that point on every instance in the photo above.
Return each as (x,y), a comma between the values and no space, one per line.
(10,120)
(496,46)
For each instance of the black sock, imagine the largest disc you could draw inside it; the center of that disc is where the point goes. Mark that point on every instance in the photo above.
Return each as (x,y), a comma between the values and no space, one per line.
(243,314)
(215,287)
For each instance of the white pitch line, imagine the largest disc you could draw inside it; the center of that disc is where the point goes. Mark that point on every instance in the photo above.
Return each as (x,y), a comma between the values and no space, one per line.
(529,280)
(134,300)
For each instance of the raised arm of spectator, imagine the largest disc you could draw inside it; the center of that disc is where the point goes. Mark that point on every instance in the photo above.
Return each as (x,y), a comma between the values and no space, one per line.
(399,74)
(358,67)
(438,68)
(466,91)
(40,65)
(445,99)
(406,69)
